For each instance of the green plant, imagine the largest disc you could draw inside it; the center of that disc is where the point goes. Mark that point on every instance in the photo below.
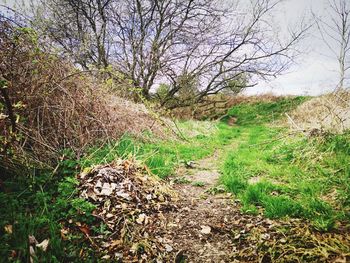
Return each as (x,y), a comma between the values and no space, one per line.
(256,194)
(323,223)
(263,112)
(101,229)
(250,209)
(40,205)
(199,184)
(234,184)
(181,180)
(281,206)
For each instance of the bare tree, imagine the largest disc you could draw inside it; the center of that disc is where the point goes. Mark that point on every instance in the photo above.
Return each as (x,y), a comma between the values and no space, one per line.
(335,33)
(153,41)
(152,35)
(234,46)
(78,27)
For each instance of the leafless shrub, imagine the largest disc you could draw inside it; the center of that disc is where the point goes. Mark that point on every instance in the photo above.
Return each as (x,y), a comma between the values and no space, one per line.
(48,105)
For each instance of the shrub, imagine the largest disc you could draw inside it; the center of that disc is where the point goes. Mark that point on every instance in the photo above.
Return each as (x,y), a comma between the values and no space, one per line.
(48,105)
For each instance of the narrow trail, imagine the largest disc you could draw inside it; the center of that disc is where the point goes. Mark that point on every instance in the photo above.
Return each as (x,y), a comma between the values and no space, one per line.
(209,227)
(201,233)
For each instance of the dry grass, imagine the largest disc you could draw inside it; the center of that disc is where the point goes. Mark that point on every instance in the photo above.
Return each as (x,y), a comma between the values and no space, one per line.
(193,128)
(55,106)
(329,113)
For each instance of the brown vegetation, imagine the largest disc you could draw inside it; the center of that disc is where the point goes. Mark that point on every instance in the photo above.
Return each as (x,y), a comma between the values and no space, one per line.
(48,105)
(134,214)
(329,113)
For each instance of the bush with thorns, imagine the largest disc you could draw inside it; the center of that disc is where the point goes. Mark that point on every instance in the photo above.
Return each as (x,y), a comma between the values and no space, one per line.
(48,105)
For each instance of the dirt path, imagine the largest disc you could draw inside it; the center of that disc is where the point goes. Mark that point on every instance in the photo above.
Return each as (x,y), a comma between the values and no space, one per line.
(200,233)
(209,226)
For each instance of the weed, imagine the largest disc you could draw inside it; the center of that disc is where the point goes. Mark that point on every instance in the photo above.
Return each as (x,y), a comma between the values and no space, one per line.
(250,209)
(281,206)
(323,223)
(234,184)
(38,205)
(199,184)
(181,180)
(256,194)
(216,189)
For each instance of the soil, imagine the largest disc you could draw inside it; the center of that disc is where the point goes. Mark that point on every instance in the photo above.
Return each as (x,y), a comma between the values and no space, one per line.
(208,227)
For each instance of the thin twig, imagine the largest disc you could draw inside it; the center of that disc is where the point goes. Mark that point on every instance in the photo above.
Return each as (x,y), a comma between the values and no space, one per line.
(276,139)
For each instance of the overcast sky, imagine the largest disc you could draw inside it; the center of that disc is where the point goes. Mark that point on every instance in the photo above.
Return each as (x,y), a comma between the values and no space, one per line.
(315,72)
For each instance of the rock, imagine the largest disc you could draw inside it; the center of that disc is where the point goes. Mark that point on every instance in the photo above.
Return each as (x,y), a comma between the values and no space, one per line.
(168,248)
(205,230)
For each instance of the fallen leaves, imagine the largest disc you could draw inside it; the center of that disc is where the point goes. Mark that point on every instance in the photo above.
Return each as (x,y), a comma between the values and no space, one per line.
(141,219)
(266,240)
(168,248)
(64,232)
(34,244)
(43,245)
(84,228)
(130,203)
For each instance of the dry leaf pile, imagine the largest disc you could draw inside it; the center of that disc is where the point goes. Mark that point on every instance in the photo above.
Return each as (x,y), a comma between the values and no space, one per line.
(131,204)
(33,246)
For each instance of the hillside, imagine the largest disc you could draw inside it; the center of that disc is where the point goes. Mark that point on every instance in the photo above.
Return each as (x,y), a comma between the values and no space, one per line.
(248,192)
(328,113)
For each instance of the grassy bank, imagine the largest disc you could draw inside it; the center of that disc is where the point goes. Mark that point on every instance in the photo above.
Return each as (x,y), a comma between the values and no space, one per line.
(288,175)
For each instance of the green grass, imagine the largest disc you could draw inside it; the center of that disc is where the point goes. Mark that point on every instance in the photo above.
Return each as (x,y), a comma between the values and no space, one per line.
(263,112)
(162,157)
(39,205)
(294,176)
